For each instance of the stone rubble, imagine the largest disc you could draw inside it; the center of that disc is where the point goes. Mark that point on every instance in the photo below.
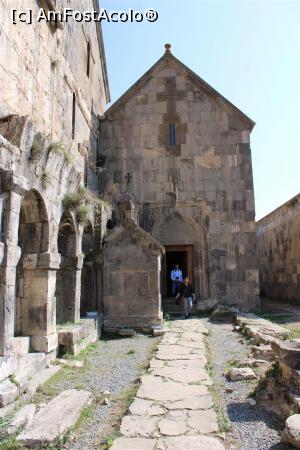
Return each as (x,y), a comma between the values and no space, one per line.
(173,408)
(291,432)
(241,373)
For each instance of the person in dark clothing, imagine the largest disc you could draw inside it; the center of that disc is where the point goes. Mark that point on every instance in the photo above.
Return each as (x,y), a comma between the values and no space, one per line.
(186,291)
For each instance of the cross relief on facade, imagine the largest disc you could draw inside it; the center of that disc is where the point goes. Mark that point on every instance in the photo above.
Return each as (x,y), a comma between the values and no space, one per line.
(172,131)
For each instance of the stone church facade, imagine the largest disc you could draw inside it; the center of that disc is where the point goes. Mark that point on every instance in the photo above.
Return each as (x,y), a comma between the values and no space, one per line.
(95,206)
(183,152)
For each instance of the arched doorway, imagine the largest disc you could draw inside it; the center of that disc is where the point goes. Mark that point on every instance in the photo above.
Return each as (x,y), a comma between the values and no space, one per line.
(88,275)
(185,244)
(66,277)
(33,239)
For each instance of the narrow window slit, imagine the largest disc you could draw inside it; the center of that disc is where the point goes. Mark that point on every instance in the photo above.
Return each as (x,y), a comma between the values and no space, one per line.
(172,134)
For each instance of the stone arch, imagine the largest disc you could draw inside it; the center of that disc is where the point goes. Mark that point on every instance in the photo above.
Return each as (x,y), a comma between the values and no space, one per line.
(33,240)
(33,235)
(179,230)
(67,303)
(88,301)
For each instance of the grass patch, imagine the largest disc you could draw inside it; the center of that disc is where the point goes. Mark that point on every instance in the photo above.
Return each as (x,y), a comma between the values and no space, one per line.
(229,365)
(126,397)
(131,351)
(82,212)
(214,390)
(50,389)
(83,355)
(59,442)
(109,440)
(8,442)
(86,417)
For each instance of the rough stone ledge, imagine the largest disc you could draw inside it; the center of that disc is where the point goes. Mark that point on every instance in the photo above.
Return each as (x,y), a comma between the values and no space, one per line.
(261,330)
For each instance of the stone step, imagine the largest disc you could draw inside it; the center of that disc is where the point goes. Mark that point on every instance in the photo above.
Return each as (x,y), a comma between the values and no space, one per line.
(6,367)
(41,377)
(8,392)
(169,301)
(30,385)
(75,337)
(29,365)
(21,345)
(55,419)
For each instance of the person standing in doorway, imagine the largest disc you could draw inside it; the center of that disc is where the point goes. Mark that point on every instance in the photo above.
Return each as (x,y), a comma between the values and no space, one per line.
(186,291)
(176,277)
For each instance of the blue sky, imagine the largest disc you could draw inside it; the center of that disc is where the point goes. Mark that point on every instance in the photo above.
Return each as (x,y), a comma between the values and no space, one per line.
(248,50)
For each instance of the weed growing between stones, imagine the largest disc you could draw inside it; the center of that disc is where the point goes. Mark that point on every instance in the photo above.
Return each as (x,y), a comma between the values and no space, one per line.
(82,201)
(130,352)
(60,149)
(8,441)
(86,416)
(229,365)
(109,440)
(273,372)
(45,178)
(37,147)
(214,390)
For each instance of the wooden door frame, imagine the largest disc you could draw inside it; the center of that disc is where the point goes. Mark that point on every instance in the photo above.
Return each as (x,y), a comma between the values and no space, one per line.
(189,249)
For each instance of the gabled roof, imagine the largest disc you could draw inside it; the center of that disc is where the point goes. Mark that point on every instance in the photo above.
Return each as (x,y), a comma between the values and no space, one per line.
(168,59)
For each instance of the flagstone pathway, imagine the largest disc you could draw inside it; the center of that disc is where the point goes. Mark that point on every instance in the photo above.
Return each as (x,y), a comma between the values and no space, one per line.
(172,409)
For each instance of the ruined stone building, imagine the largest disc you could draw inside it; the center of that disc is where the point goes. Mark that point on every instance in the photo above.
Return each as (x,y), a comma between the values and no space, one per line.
(53,87)
(278,236)
(96,207)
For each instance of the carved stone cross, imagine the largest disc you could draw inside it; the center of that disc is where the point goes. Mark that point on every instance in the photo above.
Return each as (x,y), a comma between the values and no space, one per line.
(170,96)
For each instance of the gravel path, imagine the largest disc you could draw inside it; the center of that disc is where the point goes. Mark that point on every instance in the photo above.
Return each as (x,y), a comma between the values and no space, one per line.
(254,428)
(113,365)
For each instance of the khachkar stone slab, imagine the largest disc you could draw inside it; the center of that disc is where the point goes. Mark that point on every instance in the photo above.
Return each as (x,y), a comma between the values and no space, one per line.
(56,418)
(173,408)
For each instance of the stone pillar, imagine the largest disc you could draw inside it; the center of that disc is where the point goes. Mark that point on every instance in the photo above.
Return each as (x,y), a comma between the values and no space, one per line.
(15,187)
(38,302)
(70,288)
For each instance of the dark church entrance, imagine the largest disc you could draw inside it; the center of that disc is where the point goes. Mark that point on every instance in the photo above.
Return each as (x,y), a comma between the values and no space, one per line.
(183,255)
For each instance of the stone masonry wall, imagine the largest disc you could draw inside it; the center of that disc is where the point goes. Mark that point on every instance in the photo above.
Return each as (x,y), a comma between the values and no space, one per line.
(41,67)
(206,177)
(278,236)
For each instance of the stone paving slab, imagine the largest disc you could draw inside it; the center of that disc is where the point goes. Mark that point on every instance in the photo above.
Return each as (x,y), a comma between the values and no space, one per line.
(56,418)
(173,408)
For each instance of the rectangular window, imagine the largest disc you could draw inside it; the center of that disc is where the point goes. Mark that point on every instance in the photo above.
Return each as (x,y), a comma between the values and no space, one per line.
(73,115)
(88,59)
(172,134)
(1,218)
